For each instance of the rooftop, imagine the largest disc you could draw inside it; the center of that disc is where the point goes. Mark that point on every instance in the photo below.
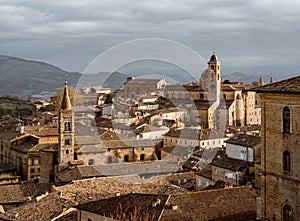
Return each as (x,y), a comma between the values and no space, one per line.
(244,140)
(42,131)
(221,160)
(288,86)
(128,207)
(236,203)
(143,81)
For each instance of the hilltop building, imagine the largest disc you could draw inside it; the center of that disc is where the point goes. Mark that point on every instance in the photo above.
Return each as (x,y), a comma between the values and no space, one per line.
(236,104)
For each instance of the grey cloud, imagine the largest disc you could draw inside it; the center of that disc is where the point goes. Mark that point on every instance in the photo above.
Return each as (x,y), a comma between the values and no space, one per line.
(245,34)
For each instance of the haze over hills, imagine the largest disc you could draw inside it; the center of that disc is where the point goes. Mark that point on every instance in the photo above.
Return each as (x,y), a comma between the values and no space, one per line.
(241,77)
(26,78)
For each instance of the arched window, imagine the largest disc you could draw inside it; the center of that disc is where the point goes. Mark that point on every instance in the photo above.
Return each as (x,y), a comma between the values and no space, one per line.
(286,120)
(67,141)
(286,161)
(287,213)
(67,126)
(67,151)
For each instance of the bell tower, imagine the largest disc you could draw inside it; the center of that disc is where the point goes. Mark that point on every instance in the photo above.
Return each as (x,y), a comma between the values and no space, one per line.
(65,130)
(215,67)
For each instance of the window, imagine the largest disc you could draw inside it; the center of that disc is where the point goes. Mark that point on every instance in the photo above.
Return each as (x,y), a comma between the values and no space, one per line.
(286,161)
(198,182)
(142,157)
(206,184)
(286,120)
(91,162)
(287,213)
(31,170)
(89,219)
(109,159)
(126,158)
(67,151)
(67,141)
(67,126)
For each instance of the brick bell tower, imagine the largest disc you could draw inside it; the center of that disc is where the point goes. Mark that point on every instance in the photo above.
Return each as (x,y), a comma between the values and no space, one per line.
(65,130)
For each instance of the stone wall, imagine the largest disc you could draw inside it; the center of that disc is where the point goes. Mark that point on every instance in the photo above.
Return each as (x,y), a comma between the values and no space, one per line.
(279,188)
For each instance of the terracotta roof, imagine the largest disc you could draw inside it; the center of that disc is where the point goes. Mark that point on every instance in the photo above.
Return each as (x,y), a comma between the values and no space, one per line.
(221,160)
(92,148)
(25,144)
(129,143)
(237,203)
(42,131)
(128,207)
(88,172)
(143,81)
(186,133)
(144,169)
(244,140)
(291,85)
(7,167)
(19,193)
(85,190)
(9,134)
(205,172)
(45,209)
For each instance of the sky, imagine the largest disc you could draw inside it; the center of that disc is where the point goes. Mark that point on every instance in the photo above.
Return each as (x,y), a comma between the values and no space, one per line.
(257,36)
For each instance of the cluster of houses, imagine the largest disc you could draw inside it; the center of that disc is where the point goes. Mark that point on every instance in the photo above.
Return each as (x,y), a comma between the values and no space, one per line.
(202,136)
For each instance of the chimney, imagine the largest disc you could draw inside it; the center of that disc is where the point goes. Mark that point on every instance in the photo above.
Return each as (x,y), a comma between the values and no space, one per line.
(22,131)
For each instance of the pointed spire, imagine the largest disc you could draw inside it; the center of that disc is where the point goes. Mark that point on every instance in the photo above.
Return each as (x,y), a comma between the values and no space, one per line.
(271,79)
(66,103)
(261,80)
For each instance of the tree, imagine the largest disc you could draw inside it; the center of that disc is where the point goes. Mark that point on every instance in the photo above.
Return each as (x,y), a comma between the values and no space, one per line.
(254,83)
(75,97)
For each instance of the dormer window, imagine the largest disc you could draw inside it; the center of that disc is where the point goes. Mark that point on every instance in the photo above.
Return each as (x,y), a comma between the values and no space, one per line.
(286,120)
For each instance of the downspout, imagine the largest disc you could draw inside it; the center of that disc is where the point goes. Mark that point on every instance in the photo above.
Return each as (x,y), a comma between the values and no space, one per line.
(265,162)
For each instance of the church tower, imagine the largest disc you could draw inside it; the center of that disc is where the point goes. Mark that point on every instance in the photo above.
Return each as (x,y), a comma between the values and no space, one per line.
(271,79)
(211,79)
(65,130)
(214,67)
(261,81)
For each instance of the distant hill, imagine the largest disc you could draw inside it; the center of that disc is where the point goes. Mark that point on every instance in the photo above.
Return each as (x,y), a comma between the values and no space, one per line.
(241,77)
(24,78)
(104,79)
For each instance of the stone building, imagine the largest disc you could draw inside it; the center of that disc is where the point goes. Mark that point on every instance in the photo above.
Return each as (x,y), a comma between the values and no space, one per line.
(240,105)
(134,88)
(280,156)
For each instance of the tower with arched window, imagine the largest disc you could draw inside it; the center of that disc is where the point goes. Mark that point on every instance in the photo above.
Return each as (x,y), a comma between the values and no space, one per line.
(280,156)
(65,130)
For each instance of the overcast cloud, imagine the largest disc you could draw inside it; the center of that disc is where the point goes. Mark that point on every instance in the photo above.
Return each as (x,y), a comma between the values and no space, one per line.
(248,36)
